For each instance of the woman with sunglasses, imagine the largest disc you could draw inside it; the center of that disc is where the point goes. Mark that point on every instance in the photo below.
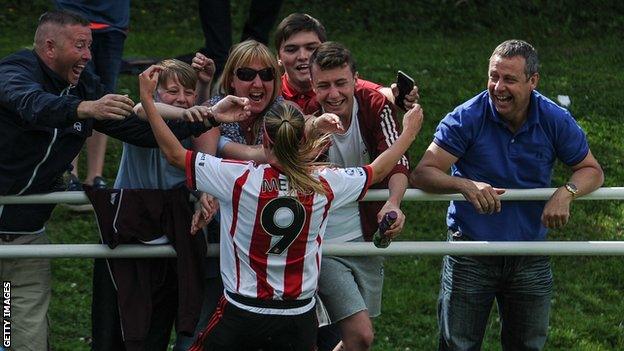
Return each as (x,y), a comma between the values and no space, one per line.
(249,72)
(273,219)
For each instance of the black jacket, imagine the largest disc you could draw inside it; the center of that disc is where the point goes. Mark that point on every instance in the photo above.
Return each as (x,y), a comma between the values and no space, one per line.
(40,133)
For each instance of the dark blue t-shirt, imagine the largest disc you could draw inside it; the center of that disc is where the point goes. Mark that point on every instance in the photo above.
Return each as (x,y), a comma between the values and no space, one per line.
(489,152)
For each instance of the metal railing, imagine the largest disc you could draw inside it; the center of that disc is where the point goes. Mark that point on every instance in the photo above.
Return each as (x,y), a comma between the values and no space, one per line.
(78,197)
(590,248)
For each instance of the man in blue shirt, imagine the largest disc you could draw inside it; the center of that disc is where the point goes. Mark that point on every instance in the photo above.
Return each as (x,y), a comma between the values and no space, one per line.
(506,137)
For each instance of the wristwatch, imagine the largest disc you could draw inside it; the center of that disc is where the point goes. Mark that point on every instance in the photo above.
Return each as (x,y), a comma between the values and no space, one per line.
(571,187)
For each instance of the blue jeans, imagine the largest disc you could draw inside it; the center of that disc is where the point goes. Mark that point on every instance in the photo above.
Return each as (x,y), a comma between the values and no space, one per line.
(522,287)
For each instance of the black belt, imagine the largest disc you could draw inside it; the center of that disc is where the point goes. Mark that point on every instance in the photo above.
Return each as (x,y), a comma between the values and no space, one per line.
(10,237)
(280,304)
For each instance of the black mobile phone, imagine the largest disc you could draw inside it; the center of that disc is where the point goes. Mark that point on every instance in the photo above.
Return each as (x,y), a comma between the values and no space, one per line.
(405,84)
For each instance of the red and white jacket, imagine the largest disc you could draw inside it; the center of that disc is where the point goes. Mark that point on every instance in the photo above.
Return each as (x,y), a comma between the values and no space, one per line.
(379,129)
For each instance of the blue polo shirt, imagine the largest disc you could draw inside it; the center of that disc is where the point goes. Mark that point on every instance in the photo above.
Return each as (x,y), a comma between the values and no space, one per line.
(489,152)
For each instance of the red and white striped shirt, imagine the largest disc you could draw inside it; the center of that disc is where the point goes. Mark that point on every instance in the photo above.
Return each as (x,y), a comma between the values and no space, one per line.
(270,237)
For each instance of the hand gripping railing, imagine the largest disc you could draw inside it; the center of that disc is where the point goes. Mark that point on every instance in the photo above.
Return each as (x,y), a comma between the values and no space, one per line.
(590,248)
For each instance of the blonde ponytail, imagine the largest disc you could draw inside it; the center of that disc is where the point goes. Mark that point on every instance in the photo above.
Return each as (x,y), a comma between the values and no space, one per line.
(285,128)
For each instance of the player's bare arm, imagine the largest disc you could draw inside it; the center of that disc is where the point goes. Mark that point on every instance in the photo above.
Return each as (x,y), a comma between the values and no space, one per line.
(384,163)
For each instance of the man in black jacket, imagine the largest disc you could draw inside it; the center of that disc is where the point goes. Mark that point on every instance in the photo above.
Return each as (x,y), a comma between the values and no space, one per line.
(48,107)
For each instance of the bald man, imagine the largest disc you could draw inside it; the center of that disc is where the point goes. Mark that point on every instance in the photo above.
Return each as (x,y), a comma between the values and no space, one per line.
(49,105)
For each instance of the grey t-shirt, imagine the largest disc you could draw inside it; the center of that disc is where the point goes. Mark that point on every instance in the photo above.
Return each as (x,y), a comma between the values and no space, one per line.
(147,168)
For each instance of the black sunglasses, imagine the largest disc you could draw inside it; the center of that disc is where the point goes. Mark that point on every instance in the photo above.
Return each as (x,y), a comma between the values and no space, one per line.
(247,74)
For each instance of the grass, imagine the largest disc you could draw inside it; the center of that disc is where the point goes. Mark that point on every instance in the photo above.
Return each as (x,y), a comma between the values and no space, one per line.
(449,67)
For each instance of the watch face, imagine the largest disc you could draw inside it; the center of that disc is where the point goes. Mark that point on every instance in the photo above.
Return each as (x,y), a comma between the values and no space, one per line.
(571,187)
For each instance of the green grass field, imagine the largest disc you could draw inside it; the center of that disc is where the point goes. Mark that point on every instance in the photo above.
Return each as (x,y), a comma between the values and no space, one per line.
(445,47)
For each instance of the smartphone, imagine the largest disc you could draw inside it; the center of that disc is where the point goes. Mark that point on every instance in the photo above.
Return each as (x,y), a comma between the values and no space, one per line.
(405,84)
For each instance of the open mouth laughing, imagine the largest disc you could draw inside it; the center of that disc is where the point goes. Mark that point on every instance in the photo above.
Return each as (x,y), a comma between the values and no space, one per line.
(335,103)
(77,69)
(303,68)
(256,96)
(502,98)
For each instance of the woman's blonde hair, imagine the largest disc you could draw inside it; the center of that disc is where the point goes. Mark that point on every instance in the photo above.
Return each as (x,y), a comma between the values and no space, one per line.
(284,127)
(242,55)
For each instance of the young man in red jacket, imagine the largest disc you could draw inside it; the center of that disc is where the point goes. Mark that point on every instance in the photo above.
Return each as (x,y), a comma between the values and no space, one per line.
(350,287)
